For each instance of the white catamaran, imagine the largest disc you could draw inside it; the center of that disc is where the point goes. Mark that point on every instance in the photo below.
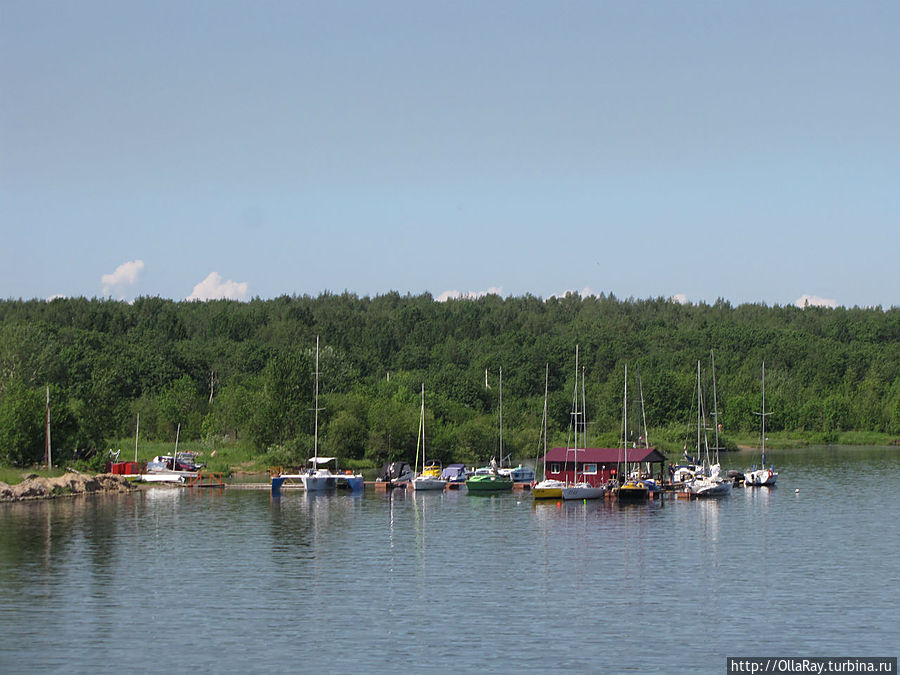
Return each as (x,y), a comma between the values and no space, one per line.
(317,477)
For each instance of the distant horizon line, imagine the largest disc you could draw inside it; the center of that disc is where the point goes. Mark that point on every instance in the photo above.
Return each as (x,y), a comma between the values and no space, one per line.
(803,302)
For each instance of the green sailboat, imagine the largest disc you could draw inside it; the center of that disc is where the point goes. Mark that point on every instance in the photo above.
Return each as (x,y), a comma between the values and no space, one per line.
(489,479)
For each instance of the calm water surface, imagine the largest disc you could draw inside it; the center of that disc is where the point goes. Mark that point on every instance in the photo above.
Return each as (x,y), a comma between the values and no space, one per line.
(236,581)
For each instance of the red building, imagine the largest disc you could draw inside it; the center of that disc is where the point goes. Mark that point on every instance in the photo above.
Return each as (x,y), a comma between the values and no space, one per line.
(598,466)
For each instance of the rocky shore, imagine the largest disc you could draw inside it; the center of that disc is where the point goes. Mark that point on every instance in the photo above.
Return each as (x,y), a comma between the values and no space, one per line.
(71,483)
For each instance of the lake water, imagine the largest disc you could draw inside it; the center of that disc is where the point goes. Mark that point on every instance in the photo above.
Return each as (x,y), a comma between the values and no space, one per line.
(236,581)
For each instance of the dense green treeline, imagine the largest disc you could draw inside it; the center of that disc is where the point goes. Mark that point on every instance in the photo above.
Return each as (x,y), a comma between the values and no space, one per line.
(245,370)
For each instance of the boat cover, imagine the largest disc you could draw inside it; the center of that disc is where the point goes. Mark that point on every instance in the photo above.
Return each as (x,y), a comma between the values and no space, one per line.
(452,471)
(393,471)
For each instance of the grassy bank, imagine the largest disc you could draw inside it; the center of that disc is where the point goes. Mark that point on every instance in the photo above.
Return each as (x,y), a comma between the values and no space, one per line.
(220,456)
(784,440)
(671,441)
(12,475)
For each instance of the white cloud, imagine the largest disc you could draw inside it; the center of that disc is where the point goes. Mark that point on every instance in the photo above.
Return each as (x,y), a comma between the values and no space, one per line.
(58,296)
(680,298)
(470,295)
(213,288)
(584,293)
(814,301)
(126,274)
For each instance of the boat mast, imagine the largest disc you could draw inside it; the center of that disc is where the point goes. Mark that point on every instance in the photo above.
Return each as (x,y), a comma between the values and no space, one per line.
(49,452)
(316,415)
(625,423)
(763,415)
(583,420)
(699,412)
(715,403)
(501,417)
(575,420)
(705,430)
(137,428)
(643,412)
(423,427)
(420,440)
(644,418)
(544,422)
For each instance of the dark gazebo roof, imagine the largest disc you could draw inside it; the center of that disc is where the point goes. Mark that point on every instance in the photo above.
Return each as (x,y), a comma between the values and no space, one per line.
(605,455)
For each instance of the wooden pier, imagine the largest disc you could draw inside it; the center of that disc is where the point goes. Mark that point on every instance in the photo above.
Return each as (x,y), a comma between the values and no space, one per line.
(205,480)
(215,480)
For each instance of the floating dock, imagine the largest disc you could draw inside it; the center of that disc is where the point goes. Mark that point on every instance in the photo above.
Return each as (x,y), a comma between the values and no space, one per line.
(215,480)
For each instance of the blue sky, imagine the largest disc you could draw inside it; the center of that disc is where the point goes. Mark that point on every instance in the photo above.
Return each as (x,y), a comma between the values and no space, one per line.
(697,150)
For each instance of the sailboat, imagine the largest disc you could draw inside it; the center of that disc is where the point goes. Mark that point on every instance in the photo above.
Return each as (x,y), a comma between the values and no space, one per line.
(633,488)
(580,489)
(548,488)
(425,480)
(318,477)
(762,477)
(489,479)
(708,482)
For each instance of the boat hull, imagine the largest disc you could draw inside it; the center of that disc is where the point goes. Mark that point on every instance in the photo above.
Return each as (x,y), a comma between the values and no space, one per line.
(392,484)
(165,476)
(489,484)
(355,482)
(424,484)
(709,488)
(547,493)
(633,493)
(548,489)
(582,492)
(760,478)
(318,483)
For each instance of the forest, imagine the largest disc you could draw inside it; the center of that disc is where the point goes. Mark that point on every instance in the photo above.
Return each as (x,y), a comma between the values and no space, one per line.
(227,371)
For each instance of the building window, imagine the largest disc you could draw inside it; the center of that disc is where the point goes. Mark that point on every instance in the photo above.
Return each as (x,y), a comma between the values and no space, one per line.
(590,468)
(554,468)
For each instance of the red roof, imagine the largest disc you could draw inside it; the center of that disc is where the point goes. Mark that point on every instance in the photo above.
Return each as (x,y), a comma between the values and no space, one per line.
(605,455)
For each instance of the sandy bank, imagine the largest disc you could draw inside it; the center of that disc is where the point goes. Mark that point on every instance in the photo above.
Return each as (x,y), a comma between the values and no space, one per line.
(71,483)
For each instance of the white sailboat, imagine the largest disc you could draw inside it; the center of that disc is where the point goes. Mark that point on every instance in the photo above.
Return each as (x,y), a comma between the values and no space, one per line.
(762,477)
(425,481)
(580,489)
(708,482)
(548,488)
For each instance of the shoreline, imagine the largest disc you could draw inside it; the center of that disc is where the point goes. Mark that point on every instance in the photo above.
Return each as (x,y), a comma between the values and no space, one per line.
(73,482)
(69,484)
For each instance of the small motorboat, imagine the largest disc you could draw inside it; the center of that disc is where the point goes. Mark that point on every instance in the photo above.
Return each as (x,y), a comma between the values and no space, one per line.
(395,474)
(455,473)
